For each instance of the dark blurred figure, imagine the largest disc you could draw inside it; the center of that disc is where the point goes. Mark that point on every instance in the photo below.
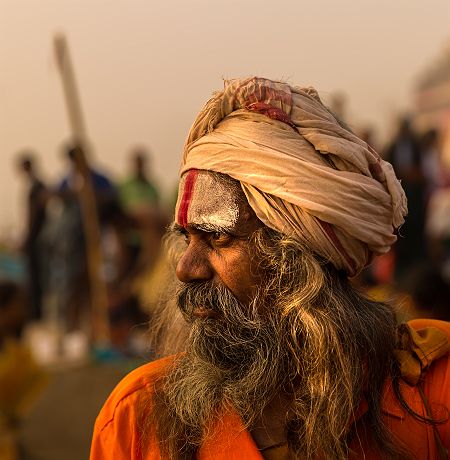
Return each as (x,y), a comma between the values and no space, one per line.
(404,153)
(431,162)
(430,293)
(438,230)
(37,197)
(12,311)
(405,156)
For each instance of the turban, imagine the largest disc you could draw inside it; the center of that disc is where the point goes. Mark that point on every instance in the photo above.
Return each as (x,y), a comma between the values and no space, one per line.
(303,173)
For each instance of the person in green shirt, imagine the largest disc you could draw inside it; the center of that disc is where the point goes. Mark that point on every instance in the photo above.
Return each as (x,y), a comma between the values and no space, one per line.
(138,192)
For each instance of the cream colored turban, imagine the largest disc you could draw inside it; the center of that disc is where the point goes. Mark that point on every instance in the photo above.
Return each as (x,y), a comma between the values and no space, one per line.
(302,172)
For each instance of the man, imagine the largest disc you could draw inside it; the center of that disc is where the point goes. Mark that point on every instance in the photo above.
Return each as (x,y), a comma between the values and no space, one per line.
(36,216)
(140,200)
(137,192)
(73,233)
(279,205)
(405,156)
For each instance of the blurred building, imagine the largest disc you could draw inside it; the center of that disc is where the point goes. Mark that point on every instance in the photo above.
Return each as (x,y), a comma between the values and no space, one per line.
(432,100)
(433,93)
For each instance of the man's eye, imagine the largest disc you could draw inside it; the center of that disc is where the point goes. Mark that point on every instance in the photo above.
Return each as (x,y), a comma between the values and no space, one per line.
(220,239)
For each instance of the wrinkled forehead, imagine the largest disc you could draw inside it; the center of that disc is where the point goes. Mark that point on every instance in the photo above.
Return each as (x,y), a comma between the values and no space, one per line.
(210,201)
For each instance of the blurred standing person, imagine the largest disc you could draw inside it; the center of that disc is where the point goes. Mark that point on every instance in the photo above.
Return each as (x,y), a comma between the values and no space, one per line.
(139,237)
(431,162)
(438,230)
(37,196)
(140,199)
(404,155)
(71,278)
(405,152)
(138,191)
(104,189)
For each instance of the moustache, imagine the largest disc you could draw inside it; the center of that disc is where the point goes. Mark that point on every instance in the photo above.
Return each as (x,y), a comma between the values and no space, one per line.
(205,300)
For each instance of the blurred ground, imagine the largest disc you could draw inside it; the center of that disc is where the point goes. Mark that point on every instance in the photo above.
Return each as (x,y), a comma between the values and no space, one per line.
(60,423)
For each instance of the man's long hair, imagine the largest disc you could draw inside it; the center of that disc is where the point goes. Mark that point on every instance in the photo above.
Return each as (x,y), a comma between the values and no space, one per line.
(308,333)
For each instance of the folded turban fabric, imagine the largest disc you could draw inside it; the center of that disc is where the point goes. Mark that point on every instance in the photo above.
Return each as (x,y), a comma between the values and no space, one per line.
(304,174)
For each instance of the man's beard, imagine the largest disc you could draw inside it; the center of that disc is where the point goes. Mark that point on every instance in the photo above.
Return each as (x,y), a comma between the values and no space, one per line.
(234,359)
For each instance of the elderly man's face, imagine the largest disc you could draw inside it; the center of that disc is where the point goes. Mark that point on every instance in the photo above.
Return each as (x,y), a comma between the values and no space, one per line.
(217,223)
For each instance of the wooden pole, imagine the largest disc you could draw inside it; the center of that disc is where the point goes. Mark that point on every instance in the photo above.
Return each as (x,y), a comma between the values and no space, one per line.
(99,306)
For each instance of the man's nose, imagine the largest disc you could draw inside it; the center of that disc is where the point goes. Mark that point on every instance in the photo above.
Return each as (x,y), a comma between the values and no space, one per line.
(194,265)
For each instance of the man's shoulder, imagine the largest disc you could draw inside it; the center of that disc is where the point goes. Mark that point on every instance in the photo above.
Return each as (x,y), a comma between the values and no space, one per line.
(435,356)
(443,326)
(425,361)
(423,387)
(134,386)
(430,342)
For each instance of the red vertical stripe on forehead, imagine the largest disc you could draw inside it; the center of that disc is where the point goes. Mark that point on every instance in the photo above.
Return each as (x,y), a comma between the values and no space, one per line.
(189,184)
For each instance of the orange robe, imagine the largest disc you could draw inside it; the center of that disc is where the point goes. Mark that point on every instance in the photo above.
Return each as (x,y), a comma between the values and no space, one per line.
(116,435)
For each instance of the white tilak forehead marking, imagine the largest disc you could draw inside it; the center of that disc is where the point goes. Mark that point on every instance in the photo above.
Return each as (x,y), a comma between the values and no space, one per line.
(214,205)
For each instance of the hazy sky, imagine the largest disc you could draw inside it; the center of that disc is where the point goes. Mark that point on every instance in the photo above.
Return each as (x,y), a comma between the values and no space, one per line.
(144,68)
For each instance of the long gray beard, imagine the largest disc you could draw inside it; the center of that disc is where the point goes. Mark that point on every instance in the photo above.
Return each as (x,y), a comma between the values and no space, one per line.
(243,358)
(236,359)
(308,333)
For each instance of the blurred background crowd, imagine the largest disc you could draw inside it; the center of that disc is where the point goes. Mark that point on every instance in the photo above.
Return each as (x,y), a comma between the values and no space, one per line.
(52,319)
(82,274)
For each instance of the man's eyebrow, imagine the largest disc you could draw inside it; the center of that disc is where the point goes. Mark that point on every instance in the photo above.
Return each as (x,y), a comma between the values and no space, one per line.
(201,226)
(177,229)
